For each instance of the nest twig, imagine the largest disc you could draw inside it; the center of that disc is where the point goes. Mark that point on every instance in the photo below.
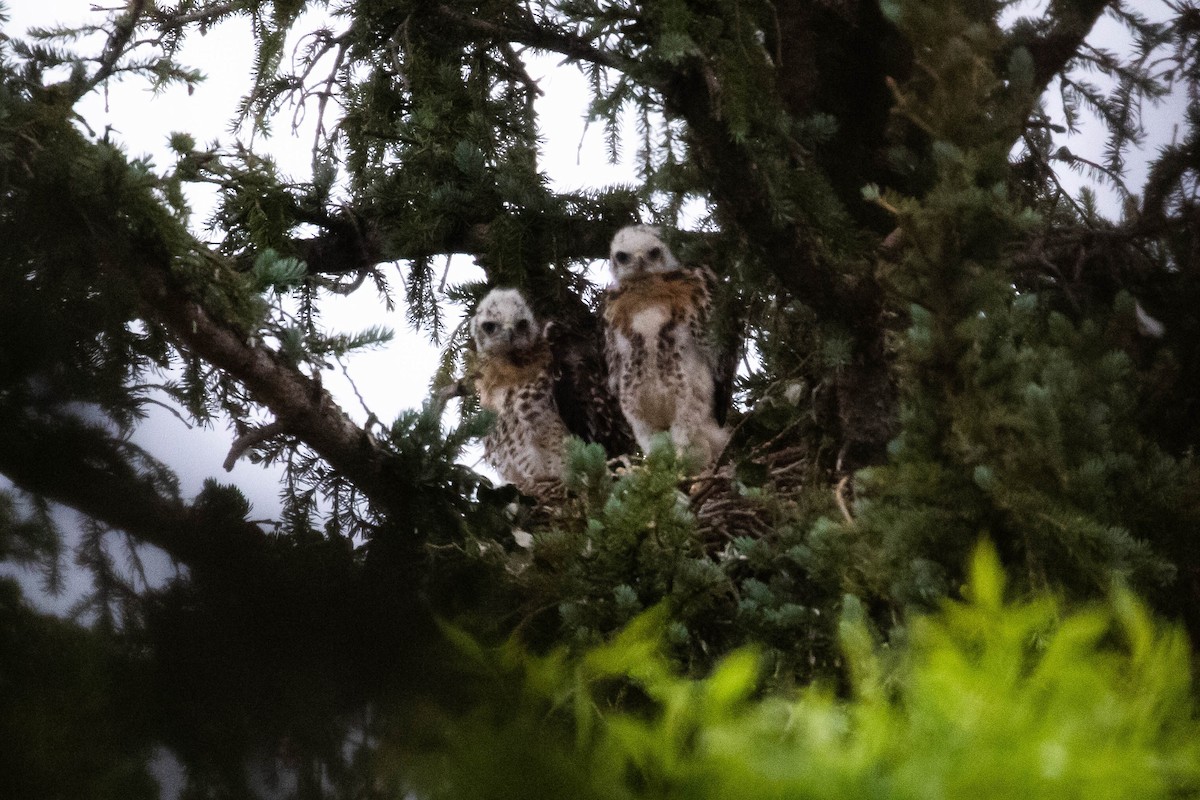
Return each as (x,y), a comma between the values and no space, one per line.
(724,512)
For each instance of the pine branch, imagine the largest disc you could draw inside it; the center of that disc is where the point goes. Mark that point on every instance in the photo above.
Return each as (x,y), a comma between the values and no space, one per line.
(542,37)
(1054,49)
(353,241)
(206,15)
(86,469)
(248,440)
(116,46)
(300,404)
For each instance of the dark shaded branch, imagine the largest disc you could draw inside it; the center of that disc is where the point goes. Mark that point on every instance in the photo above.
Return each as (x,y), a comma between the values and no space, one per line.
(353,241)
(348,244)
(85,469)
(1052,50)
(537,36)
(743,194)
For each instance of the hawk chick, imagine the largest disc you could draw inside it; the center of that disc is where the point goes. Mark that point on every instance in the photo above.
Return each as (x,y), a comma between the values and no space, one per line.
(515,382)
(662,365)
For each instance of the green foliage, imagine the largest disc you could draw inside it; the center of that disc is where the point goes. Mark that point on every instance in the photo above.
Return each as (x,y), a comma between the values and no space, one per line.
(983,699)
(626,542)
(61,345)
(639,529)
(274,272)
(1027,449)
(1010,409)
(587,473)
(426,451)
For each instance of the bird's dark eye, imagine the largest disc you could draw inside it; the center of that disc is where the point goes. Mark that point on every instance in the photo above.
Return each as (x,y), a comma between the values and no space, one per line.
(489,327)
(621,257)
(655,253)
(522,325)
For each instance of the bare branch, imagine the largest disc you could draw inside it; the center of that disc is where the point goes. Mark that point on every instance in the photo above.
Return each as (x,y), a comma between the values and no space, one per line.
(249,439)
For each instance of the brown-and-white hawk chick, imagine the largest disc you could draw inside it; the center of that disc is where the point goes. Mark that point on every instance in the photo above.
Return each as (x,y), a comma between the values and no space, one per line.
(662,364)
(515,381)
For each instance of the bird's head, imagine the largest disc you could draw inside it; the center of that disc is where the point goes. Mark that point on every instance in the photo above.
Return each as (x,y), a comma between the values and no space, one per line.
(639,249)
(504,324)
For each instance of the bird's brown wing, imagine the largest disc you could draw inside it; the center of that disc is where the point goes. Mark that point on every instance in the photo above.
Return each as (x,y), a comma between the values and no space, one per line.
(585,400)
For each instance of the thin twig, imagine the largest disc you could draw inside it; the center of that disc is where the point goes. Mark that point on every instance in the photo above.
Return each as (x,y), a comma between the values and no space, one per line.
(174,411)
(354,387)
(839,495)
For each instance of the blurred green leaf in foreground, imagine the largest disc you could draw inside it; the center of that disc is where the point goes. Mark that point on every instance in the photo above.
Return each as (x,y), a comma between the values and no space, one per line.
(986,699)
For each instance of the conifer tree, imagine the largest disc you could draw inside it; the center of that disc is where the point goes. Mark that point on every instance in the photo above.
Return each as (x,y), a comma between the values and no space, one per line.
(947,344)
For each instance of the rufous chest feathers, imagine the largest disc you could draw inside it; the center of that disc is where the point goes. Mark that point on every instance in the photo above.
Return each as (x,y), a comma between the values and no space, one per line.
(498,375)
(672,294)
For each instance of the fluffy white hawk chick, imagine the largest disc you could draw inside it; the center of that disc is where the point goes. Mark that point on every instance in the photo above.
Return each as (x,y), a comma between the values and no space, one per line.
(661,361)
(515,381)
